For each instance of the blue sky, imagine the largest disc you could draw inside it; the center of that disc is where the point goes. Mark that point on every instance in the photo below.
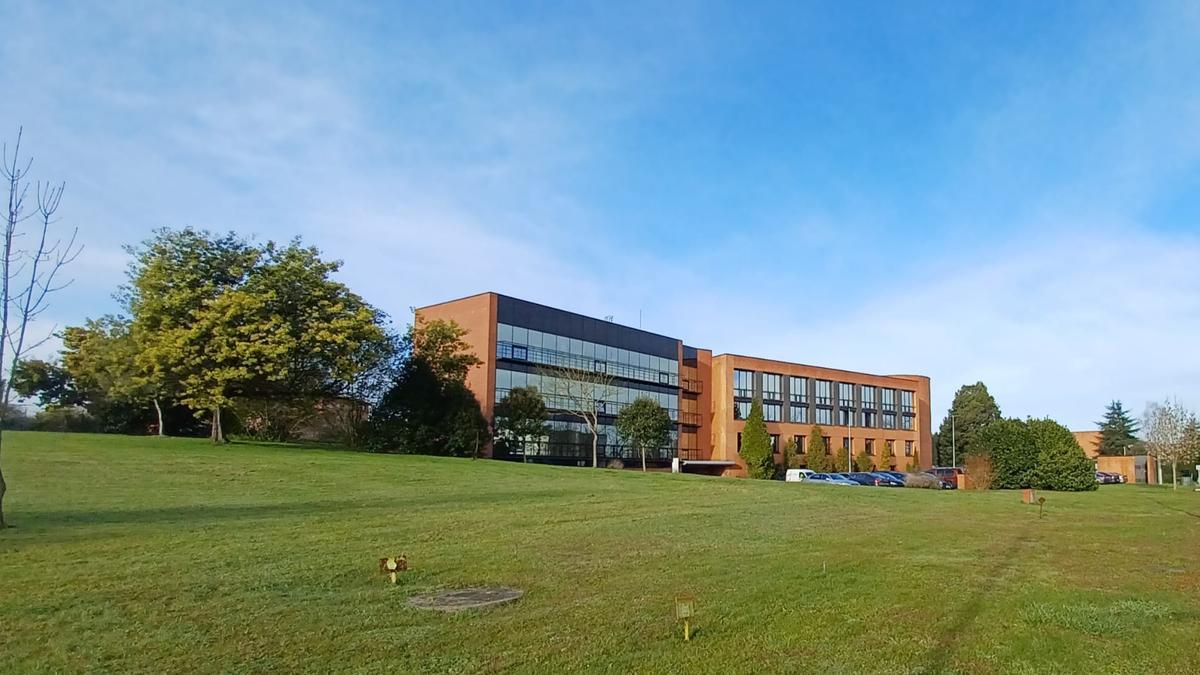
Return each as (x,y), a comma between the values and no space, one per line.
(1006,192)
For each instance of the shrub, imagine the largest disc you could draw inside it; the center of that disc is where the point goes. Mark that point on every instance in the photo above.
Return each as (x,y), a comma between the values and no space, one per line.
(66,418)
(1061,463)
(816,459)
(1012,450)
(756,444)
(979,470)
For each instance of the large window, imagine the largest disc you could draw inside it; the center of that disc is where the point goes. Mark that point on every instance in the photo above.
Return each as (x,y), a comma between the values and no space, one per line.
(798,389)
(889,420)
(798,414)
(846,394)
(824,392)
(772,385)
(824,416)
(741,410)
(868,396)
(888,398)
(845,417)
(869,420)
(772,412)
(525,344)
(743,383)
(906,422)
(906,401)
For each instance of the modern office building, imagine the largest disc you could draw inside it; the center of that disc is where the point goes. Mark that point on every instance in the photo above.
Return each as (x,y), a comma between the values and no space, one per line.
(707,397)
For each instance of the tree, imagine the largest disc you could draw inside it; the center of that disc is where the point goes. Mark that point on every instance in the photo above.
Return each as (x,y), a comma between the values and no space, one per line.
(28,276)
(582,394)
(429,409)
(521,416)
(223,319)
(792,459)
(1170,436)
(863,461)
(644,424)
(1061,463)
(1118,431)
(1013,451)
(756,444)
(48,382)
(817,460)
(973,408)
(886,452)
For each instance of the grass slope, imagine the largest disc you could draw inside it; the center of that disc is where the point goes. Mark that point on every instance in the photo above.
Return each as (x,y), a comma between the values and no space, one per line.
(137,554)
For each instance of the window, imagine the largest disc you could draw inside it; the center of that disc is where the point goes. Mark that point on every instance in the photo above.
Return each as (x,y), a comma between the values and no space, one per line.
(664,378)
(824,416)
(846,394)
(869,419)
(772,412)
(906,401)
(889,420)
(824,392)
(888,398)
(906,422)
(798,414)
(908,448)
(870,446)
(845,417)
(888,448)
(774,443)
(741,410)
(772,385)
(828,444)
(845,442)
(799,441)
(599,366)
(868,396)
(798,389)
(520,353)
(743,383)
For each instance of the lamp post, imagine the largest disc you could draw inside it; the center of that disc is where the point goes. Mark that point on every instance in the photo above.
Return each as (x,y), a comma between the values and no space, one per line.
(953,443)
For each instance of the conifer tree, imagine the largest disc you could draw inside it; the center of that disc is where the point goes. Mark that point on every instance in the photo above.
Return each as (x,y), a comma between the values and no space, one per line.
(816,458)
(756,444)
(1118,431)
(863,461)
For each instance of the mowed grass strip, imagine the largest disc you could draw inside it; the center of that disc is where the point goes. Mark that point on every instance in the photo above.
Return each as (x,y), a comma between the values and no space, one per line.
(157,555)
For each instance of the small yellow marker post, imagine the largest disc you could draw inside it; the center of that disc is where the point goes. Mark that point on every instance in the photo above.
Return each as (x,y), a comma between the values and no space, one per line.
(684,609)
(390,566)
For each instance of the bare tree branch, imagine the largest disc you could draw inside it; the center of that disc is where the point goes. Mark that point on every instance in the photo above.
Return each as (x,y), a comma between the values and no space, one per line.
(583,394)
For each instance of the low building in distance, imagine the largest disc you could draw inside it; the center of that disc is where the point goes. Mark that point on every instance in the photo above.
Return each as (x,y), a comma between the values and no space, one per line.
(706,396)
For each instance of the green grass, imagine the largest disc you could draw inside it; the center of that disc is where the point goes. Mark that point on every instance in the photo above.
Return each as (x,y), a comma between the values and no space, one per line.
(146,555)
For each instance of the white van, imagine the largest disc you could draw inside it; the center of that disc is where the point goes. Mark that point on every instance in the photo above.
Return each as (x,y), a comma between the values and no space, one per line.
(797,475)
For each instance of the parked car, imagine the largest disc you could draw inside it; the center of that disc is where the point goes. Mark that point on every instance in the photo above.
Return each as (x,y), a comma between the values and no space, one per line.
(886,479)
(949,474)
(797,475)
(898,475)
(1109,478)
(830,478)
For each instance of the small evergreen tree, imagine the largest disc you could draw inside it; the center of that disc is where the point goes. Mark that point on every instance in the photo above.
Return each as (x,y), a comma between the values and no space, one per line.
(1118,431)
(1061,463)
(973,408)
(521,416)
(886,453)
(791,455)
(645,424)
(816,459)
(863,462)
(756,444)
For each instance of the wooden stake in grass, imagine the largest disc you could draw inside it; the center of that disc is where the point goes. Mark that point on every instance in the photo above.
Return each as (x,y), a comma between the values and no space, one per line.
(1041,506)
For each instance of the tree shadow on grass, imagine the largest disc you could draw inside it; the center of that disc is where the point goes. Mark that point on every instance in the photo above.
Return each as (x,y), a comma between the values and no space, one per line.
(938,658)
(198,514)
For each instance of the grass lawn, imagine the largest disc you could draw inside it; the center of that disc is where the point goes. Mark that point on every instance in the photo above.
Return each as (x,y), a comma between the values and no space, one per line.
(147,555)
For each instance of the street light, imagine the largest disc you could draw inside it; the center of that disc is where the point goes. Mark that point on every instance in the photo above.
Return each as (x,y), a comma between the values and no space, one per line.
(953,443)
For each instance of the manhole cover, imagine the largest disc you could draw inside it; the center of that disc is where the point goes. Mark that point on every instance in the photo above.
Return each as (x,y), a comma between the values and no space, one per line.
(465,598)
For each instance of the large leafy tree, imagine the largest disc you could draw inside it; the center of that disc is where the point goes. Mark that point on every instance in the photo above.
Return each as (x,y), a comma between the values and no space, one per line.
(756,444)
(429,409)
(1061,463)
(220,318)
(1013,451)
(973,409)
(1118,430)
(644,424)
(521,416)
(816,458)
